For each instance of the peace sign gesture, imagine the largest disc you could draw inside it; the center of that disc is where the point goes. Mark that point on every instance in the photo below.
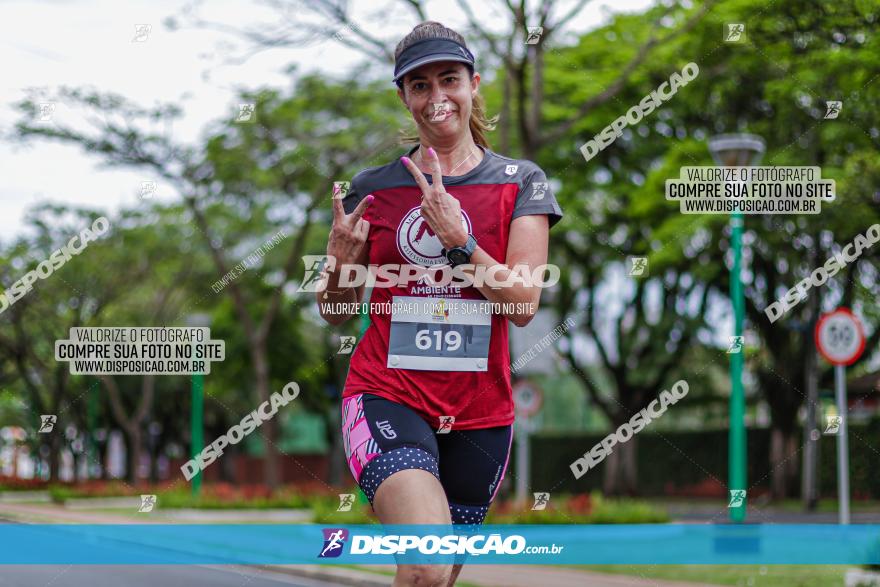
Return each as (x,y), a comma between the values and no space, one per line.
(348,232)
(440,209)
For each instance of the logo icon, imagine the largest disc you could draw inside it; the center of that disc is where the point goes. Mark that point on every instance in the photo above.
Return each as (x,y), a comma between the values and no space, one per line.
(47,423)
(511,169)
(534,35)
(315,279)
(417,242)
(440,111)
(247,113)
(734,32)
(45,111)
(334,540)
(833,425)
(637,266)
(539,188)
(736,345)
(386,430)
(439,312)
(346,500)
(832,109)
(737,497)
(541,500)
(339,36)
(148,190)
(346,345)
(148,502)
(446,423)
(340,189)
(141,33)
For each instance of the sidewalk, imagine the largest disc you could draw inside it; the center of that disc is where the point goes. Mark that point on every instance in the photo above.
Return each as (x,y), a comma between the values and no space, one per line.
(365,576)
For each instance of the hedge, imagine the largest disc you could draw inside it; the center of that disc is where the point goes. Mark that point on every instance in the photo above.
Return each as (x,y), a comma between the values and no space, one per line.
(677,462)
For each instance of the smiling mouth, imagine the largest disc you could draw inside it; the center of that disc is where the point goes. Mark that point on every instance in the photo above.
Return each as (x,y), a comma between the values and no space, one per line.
(440,115)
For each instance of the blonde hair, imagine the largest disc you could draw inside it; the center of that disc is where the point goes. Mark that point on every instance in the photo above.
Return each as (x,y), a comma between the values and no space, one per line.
(479,123)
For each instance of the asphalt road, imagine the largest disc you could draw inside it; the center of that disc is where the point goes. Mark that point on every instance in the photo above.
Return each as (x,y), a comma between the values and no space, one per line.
(148,576)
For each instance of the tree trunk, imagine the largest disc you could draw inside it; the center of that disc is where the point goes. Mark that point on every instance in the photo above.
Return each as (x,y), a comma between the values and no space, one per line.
(55,454)
(621,468)
(132,453)
(611,477)
(102,449)
(269,430)
(629,466)
(783,472)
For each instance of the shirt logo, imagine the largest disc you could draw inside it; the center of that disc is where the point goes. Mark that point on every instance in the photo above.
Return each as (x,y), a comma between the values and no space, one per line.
(417,242)
(511,169)
(386,430)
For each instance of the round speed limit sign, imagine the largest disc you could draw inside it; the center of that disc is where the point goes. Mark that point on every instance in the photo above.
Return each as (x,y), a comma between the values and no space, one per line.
(527,398)
(839,337)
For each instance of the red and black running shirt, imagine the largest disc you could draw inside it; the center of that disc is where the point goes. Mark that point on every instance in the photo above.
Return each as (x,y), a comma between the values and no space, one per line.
(492,195)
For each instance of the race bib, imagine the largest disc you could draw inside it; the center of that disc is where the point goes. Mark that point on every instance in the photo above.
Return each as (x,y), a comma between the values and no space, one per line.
(437,334)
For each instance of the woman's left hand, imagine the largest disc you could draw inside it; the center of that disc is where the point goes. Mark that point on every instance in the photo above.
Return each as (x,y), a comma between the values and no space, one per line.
(440,209)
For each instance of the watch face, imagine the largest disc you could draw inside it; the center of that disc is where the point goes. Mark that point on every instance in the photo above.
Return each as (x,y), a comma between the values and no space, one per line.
(458,257)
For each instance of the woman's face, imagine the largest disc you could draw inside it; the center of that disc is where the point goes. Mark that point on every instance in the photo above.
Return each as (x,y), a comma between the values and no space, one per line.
(439,98)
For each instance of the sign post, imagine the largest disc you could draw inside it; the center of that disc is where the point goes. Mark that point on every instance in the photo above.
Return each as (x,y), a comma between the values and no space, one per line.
(527,399)
(841,340)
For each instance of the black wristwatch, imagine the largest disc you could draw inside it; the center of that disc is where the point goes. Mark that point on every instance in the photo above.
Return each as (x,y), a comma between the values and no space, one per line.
(461,255)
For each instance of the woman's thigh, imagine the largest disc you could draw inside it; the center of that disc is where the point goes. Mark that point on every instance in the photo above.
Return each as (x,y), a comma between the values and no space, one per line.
(392,454)
(472,466)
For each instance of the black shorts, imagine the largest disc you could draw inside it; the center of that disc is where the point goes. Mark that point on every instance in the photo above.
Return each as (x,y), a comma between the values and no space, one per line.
(382,437)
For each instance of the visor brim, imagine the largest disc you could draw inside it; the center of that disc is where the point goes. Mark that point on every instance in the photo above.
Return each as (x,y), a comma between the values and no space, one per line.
(431,59)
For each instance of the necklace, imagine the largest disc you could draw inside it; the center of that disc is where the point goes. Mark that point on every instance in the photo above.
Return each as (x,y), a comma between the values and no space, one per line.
(451,171)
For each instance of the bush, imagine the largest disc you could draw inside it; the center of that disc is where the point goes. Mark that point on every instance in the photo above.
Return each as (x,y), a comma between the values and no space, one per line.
(212,496)
(583,508)
(697,457)
(16,484)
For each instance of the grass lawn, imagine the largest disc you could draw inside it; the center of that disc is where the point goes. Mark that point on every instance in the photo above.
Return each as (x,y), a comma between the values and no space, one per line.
(786,505)
(745,575)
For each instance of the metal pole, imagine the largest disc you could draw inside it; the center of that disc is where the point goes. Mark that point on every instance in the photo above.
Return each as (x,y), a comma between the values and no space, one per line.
(811,444)
(522,460)
(91,422)
(198,385)
(737,433)
(842,452)
(809,480)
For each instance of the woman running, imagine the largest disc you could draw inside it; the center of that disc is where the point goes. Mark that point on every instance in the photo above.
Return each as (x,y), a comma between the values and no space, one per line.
(427,409)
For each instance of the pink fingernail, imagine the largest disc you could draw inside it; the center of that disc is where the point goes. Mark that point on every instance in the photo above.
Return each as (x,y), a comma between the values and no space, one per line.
(432,152)
(405,160)
(370,199)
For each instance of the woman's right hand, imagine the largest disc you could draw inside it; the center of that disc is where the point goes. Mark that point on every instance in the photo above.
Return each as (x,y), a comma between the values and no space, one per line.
(349,232)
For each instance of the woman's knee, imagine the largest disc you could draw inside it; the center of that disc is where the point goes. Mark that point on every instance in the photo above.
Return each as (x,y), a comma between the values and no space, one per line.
(412,496)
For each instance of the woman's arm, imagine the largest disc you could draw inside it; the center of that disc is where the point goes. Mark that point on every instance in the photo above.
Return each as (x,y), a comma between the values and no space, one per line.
(336,294)
(527,244)
(347,244)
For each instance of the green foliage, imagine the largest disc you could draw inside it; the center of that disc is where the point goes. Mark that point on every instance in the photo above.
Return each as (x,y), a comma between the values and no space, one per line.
(581,509)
